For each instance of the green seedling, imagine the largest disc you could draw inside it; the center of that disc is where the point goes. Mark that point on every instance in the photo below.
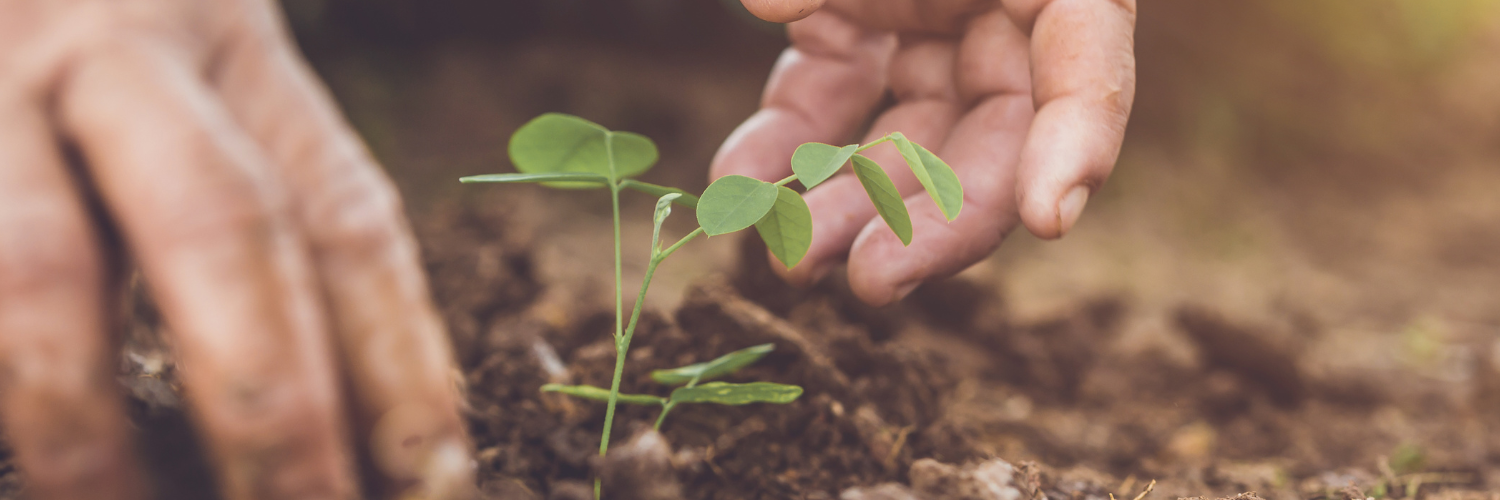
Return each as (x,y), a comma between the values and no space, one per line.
(568,152)
(688,377)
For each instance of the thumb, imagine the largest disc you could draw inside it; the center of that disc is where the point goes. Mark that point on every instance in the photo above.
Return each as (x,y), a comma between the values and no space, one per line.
(782,11)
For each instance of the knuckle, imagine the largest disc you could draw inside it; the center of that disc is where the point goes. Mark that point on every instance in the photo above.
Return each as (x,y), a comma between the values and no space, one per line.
(358,216)
(210,217)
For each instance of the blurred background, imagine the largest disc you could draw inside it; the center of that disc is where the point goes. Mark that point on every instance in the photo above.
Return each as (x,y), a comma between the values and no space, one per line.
(1325,170)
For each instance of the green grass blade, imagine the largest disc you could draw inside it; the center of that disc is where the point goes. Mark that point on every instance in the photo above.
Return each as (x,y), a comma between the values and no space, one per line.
(737,394)
(787,228)
(602,394)
(687,199)
(883,194)
(528,178)
(815,162)
(556,142)
(709,370)
(934,174)
(733,203)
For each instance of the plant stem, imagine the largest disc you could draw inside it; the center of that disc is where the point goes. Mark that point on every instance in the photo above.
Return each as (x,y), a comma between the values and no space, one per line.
(667,408)
(685,239)
(789,179)
(614,390)
(877,142)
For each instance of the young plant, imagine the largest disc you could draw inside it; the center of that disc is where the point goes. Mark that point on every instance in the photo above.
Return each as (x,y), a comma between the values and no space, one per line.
(568,152)
(688,378)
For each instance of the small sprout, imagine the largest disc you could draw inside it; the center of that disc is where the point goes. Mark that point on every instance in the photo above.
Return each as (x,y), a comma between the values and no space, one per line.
(1407,459)
(564,151)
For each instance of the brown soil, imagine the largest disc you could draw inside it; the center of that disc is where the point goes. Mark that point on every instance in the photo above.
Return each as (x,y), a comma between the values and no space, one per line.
(946,375)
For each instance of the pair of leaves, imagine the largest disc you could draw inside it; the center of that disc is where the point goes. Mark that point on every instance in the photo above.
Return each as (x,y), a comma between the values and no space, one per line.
(558,143)
(814,163)
(581,179)
(736,202)
(713,392)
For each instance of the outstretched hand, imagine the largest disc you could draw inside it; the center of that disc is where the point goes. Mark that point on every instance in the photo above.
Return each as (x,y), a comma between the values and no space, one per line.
(1026,99)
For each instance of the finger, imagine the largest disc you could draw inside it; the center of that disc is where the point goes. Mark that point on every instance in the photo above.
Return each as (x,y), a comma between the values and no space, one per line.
(782,11)
(394,347)
(1084,84)
(922,78)
(822,88)
(212,232)
(63,417)
(983,151)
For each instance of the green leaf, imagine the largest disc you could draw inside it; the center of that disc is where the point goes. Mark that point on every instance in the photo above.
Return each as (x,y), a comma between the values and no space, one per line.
(737,394)
(709,370)
(883,194)
(687,199)
(519,178)
(555,142)
(601,394)
(934,174)
(815,162)
(734,202)
(787,228)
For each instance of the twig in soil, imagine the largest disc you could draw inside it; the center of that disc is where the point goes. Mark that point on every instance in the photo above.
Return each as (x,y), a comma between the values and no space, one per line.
(1145,492)
(890,458)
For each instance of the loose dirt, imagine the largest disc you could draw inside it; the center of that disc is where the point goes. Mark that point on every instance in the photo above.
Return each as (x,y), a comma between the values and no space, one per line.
(942,396)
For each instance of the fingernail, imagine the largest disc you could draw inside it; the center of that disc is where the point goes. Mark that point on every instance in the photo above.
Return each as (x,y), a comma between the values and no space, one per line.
(904,290)
(1070,208)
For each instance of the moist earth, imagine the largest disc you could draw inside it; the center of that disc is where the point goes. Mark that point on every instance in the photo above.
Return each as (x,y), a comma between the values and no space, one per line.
(943,396)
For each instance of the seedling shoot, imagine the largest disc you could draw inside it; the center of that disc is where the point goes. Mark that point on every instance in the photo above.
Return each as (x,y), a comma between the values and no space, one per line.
(567,152)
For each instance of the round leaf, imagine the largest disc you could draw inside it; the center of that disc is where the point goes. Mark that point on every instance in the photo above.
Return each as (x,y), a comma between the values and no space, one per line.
(883,194)
(787,228)
(733,203)
(556,142)
(815,162)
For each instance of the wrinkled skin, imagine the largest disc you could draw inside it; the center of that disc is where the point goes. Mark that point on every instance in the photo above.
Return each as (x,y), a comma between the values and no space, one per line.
(1026,99)
(274,245)
(290,281)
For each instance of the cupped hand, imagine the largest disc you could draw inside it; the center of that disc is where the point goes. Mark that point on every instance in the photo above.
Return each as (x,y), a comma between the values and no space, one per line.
(1026,99)
(273,243)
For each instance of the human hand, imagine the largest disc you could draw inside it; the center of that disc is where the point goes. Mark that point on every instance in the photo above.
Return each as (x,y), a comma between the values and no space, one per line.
(1026,99)
(274,245)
